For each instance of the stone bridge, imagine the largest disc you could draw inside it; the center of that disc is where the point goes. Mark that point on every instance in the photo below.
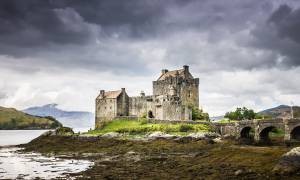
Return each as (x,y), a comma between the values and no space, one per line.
(259,129)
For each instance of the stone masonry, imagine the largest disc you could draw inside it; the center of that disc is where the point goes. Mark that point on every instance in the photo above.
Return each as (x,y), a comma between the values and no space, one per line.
(174,94)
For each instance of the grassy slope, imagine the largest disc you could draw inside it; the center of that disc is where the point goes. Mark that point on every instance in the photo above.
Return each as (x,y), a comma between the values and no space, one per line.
(141,127)
(11,118)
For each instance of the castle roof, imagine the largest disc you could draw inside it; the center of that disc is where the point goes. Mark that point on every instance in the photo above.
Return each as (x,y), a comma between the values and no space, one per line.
(173,73)
(110,94)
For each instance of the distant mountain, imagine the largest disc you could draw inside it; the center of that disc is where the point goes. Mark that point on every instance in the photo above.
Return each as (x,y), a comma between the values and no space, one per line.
(282,111)
(74,119)
(11,118)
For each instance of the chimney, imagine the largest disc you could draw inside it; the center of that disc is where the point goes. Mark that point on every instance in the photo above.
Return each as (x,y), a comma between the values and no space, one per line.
(102,92)
(123,89)
(164,71)
(186,68)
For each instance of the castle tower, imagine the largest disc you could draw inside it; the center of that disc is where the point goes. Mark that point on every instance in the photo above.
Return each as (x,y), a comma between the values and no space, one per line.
(182,82)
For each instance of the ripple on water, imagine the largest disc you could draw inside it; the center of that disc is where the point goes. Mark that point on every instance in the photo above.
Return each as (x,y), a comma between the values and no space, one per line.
(15,164)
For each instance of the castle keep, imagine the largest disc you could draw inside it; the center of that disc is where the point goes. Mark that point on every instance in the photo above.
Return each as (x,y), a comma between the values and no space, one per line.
(174,95)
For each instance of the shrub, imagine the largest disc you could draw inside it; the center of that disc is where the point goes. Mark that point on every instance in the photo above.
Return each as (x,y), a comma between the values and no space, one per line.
(143,121)
(185,127)
(64,131)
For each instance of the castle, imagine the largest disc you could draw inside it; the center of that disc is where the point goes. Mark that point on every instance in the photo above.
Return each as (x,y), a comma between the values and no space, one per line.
(174,95)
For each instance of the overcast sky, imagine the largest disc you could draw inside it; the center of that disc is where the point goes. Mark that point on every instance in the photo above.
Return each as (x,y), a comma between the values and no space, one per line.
(246,53)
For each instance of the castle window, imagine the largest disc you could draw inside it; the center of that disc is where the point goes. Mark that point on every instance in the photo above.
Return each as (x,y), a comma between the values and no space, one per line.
(190,93)
(110,107)
(105,107)
(110,100)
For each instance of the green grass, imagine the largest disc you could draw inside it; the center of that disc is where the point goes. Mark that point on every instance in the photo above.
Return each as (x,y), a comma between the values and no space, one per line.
(276,133)
(227,121)
(142,127)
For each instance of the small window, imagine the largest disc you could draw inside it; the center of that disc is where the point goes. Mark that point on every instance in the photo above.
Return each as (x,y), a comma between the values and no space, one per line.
(110,100)
(190,93)
(110,107)
(105,107)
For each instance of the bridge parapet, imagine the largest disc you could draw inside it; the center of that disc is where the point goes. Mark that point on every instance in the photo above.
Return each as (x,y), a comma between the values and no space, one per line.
(277,120)
(261,128)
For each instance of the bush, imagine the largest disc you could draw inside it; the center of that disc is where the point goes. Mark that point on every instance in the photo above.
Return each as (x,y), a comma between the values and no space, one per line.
(64,131)
(198,114)
(143,121)
(185,127)
(144,115)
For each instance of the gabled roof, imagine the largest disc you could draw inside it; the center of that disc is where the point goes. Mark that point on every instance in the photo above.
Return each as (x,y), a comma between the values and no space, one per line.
(173,73)
(110,94)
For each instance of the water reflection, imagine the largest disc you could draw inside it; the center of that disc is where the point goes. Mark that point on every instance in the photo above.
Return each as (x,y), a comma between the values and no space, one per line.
(14,164)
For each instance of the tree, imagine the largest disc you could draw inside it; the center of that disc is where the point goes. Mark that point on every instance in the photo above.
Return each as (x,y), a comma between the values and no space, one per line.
(240,114)
(198,114)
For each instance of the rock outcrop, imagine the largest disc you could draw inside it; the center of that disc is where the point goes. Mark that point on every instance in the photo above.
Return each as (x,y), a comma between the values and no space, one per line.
(289,162)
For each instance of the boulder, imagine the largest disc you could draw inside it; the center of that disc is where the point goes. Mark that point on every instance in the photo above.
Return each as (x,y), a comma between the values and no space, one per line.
(160,135)
(111,135)
(217,140)
(198,136)
(49,133)
(212,135)
(289,162)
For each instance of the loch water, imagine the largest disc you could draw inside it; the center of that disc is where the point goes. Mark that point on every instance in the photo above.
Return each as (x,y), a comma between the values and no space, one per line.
(16,164)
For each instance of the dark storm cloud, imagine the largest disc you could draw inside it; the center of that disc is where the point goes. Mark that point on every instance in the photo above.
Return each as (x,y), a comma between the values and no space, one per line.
(280,34)
(36,23)
(100,34)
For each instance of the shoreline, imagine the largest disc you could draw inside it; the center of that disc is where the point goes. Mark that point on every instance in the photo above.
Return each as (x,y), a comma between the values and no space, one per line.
(164,158)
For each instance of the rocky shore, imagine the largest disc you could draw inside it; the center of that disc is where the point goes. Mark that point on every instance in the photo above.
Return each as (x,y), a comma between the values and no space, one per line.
(163,156)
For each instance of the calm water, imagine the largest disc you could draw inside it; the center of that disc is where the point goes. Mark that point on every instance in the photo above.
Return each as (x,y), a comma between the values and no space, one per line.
(15,137)
(18,165)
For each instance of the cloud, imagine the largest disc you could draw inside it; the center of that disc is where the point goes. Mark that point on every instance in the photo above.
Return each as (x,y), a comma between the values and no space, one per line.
(64,51)
(280,35)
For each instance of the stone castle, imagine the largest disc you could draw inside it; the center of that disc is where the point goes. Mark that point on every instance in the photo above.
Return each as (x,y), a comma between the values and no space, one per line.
(174,95)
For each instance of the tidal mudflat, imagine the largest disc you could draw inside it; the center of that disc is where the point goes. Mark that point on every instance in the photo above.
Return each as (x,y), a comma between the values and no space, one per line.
(182,158)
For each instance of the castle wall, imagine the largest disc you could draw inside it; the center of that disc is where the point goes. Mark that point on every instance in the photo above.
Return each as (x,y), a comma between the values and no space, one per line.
(123,105)
(186,89)
(106,109)
(170,108)
(189,92)
(140,105)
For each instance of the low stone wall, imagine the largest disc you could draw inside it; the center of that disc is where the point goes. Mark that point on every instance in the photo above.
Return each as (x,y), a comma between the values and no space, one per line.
(126,117)
(159,121)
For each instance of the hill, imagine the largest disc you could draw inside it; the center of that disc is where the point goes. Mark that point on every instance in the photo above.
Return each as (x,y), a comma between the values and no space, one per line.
(74,119)
(282,111)
(11,118)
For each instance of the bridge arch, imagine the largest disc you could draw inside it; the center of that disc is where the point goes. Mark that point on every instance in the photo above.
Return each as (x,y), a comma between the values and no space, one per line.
(247,132)
(295,133)
(264,134)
